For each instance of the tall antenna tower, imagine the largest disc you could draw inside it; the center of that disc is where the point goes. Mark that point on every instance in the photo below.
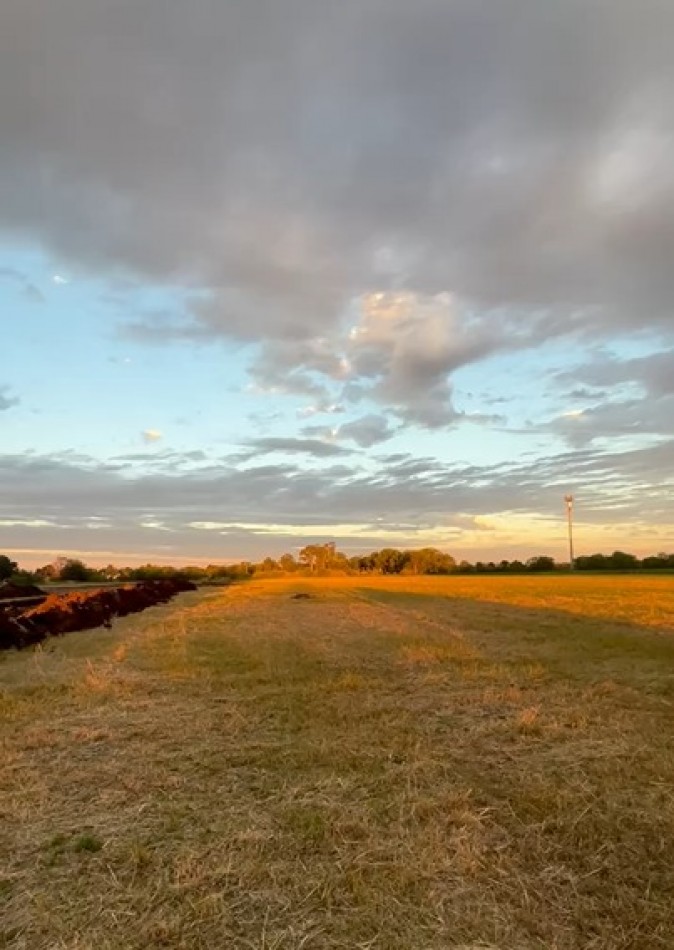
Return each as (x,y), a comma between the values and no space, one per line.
(569,500)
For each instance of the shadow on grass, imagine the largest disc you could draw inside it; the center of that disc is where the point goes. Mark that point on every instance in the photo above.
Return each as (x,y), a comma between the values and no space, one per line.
(570,644)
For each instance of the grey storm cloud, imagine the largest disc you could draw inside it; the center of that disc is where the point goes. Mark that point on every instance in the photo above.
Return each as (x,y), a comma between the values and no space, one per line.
(279,159)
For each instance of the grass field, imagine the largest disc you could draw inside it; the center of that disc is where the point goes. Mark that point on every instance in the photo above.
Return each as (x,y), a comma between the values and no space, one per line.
(390,764)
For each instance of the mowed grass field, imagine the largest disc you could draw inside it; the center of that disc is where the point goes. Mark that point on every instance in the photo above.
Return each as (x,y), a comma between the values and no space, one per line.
(390,764)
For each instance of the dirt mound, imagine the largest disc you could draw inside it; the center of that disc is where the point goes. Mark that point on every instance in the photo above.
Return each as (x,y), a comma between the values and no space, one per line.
(8,590)
(58,614)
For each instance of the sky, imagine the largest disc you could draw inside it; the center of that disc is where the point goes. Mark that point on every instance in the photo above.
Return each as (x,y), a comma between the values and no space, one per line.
(378,272)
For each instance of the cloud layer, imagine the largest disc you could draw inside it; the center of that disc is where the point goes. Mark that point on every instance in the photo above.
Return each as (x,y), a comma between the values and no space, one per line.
(176,503)
(370,199)
(283,159)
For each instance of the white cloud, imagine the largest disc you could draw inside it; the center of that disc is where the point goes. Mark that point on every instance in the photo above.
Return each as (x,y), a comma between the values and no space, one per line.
(334,408)
(27,523)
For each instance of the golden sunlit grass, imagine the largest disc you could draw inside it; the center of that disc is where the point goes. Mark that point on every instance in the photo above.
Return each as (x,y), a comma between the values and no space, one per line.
(395,764)
(647,599)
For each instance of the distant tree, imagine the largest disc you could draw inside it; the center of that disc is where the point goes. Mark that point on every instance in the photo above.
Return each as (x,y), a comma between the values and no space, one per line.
(621,561)
(287,563)
(241,570)
(339,562)
(618,561)
(7,567)
(147,572)
(321,557)
(74,570)
(591,562)
(217,572)
(96,574)
(658,562)
(46,573)
(540,563)
(109,573)
(430,561)
(58,564)
(193,572)
(390,560)
(363,563)
(311,556)
(465,567)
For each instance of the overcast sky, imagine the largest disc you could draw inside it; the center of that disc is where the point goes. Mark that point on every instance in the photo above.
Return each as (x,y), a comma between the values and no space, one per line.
(378,272)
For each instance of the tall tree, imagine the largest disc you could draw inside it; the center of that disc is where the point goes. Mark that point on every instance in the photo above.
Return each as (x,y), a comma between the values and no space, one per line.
(317,557)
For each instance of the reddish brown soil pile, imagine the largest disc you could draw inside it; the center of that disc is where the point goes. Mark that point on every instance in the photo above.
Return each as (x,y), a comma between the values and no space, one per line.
(57,614)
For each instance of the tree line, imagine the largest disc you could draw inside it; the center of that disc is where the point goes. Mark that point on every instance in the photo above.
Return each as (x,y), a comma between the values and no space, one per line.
(325,558)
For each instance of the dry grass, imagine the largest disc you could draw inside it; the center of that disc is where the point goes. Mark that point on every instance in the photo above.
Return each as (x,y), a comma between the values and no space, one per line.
(392,765)
(646,599)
